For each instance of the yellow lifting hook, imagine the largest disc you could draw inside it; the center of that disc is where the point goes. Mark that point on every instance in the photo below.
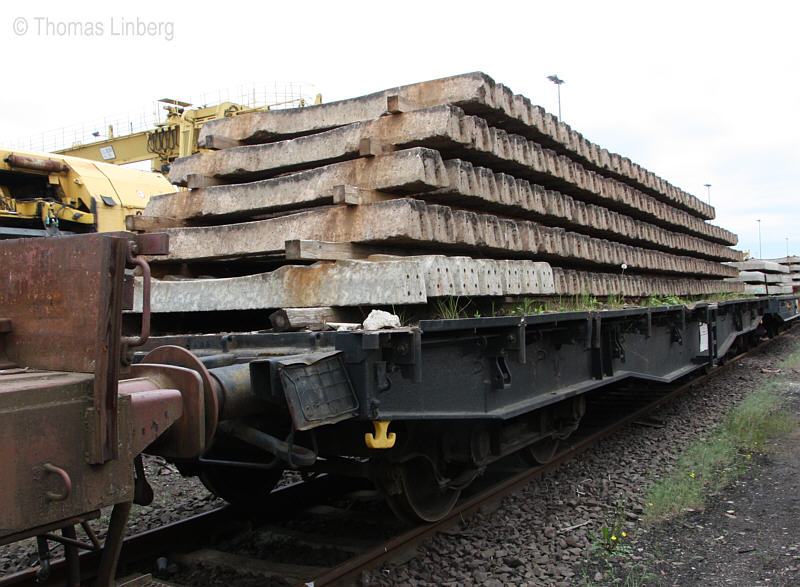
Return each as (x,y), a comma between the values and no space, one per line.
(380,439)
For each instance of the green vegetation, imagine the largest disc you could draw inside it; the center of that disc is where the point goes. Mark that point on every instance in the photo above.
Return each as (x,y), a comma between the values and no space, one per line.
(586,301)
(611,549)
(528,307)
(451,307)
(720,458)
(792,361)
(723,297)
(666,301)
(463,307)
(405,320)
(531,306)
(612,535)
(614,302)
(632,575)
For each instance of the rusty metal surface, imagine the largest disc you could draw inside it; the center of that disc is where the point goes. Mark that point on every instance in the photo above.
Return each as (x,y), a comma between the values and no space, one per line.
(154,243)
(64,296)
(36,164)
(43,440)
(51,527)
(131,260)
(152,411)
(180,357)
(60,296)
(186,438)
(68,438)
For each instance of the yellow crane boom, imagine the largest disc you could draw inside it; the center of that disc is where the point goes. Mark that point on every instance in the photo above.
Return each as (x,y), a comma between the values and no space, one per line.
(173,138)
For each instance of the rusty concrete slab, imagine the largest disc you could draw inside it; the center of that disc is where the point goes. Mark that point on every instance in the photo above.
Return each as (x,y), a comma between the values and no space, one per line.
(792,260)
(479,187)
(407,222)
(449,130)
(759,265)
(571,282)
(405,172)
(763,290)
(382,280)
(423,174)
(760,277)
(387,280)
(477,94)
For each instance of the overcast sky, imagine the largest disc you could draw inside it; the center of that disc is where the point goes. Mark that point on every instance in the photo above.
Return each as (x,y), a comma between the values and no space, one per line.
(697,92)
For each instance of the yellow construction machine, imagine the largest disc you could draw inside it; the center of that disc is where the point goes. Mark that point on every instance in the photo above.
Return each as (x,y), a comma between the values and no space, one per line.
(175,137)
(47,194)
(87,188)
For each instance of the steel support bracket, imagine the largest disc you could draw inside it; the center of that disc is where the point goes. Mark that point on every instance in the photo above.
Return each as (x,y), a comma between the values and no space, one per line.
(405,351)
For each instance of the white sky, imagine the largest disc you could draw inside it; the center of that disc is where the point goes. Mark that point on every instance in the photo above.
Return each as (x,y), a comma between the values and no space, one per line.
(697,92)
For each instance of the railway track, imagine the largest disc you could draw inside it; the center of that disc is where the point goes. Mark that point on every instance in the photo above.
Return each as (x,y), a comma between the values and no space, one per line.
(223,542)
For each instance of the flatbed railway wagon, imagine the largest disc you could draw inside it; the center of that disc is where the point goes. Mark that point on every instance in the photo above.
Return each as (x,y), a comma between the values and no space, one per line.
(423,410)
(420,410)
(407,200)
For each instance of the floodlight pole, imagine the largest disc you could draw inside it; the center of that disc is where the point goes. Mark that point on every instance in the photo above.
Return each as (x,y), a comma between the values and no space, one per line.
(708,187)
(555,79)
(759,239)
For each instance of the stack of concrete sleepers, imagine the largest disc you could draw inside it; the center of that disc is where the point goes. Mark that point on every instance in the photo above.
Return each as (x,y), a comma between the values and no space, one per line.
(450,187)
(763,277)
(792,263)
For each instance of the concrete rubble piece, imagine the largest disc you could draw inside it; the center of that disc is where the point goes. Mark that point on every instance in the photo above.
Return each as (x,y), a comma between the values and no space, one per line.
(452,187)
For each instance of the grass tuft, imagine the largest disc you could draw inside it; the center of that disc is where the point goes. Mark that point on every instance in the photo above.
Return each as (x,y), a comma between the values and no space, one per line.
(760,416)
(715,461)
(451,308)
(792,361)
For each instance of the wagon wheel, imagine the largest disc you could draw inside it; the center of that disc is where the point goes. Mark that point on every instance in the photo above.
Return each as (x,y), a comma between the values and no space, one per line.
(542,451)
(422,498)
(241,487)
